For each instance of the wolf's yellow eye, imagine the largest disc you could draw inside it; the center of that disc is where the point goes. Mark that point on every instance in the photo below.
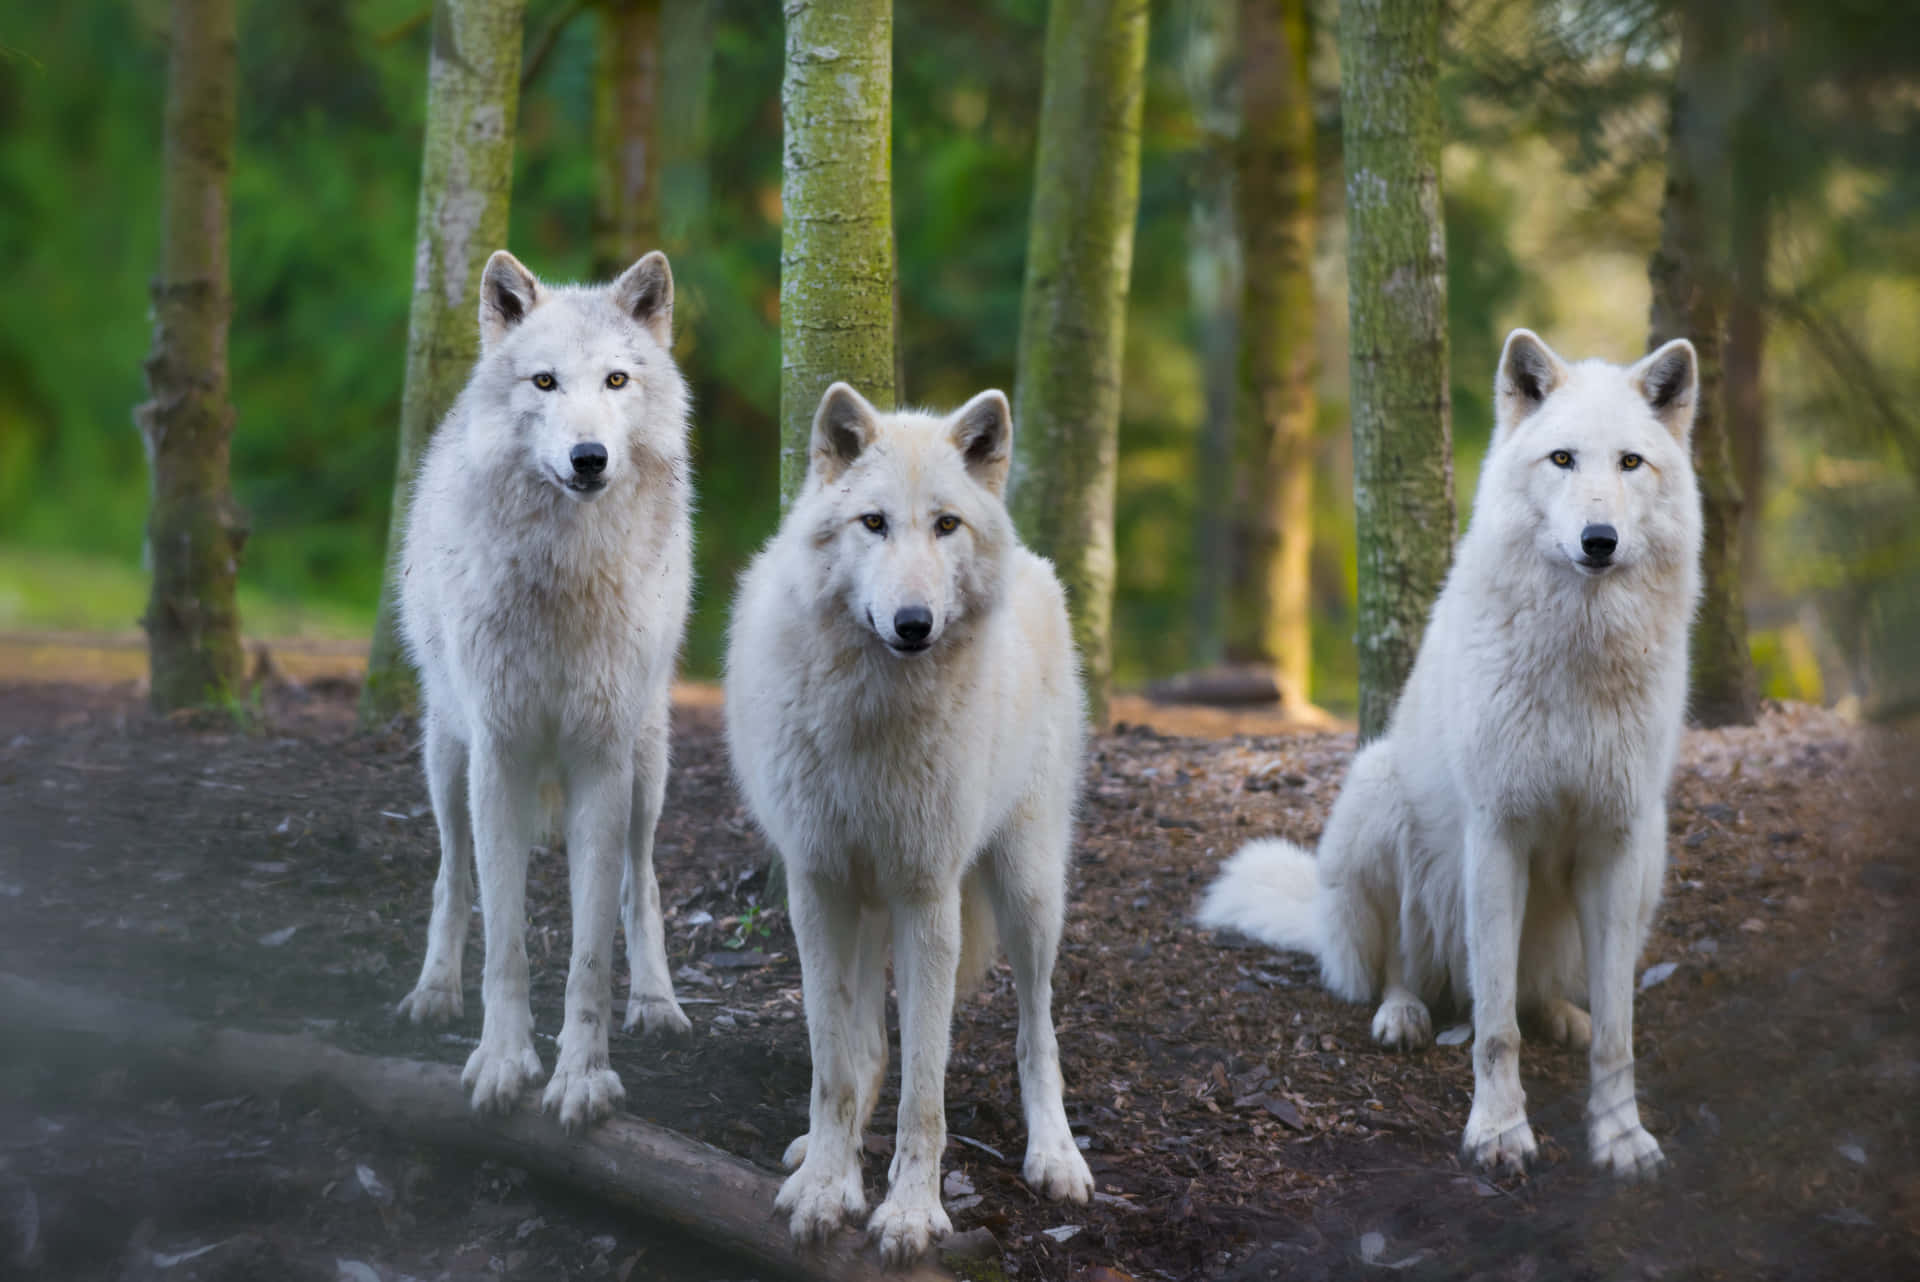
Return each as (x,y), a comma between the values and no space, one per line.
(617,379)
(545,382)
(1630,461)
(875,522)
(947,524)
(1561,458)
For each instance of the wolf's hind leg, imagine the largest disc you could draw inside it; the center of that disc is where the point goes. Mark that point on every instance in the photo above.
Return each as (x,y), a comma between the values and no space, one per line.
(650,1000)
(437,997)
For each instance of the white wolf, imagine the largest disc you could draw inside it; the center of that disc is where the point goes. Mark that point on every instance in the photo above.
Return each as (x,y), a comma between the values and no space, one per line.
(546,576)
(1506,839)
(904,714)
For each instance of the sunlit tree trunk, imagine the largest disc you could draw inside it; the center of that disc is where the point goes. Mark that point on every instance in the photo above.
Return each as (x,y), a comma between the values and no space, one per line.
(1397,305)
(1689,278)
(473,101)
(1268,609)
(194,528)
(626,151)
(1073,309)
(836,240)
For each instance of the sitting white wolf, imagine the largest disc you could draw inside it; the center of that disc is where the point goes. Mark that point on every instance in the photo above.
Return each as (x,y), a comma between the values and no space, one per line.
(904,715)
(1506,838)
(547,568)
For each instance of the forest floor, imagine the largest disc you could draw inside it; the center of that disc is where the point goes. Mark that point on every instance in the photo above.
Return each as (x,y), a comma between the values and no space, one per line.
(1239,1122)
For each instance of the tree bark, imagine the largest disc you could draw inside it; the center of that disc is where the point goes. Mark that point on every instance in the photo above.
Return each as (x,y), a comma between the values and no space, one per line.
(1269,607)
(473,102)
(626,134)
(1397,303)
(623,1161)
(1688,273)
(836,238)
(195,530)
(1073,310)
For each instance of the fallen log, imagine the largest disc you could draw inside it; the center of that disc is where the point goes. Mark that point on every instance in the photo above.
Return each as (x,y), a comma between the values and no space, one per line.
(625,1162)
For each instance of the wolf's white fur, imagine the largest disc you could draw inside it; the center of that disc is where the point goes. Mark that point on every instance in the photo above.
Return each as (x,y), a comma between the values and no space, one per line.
(545,621)
(1505,840)
(917,798)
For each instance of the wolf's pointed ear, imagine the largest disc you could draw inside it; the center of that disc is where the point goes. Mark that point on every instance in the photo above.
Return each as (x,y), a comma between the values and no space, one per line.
(843,427)
(1529,373)
(982,430)
(1669,378)
(508,291)
(645,292)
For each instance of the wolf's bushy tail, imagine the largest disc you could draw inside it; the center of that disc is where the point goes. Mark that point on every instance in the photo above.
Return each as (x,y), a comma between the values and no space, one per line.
(1268,891)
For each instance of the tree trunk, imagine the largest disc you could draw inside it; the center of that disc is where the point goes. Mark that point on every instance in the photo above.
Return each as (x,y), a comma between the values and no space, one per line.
(1073,310)
(1397,303)
(686,44)
(626,151)
(1751,224)
(466,177)
(195,530)
(836,239)
(1213,288)
(1689,277)
(1269,607)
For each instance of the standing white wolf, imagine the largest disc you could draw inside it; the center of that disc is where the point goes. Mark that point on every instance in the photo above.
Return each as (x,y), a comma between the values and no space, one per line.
(905,720)
(1506,839)
(546,576)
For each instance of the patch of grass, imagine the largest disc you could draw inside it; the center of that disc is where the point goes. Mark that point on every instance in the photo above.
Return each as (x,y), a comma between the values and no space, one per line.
(58,591)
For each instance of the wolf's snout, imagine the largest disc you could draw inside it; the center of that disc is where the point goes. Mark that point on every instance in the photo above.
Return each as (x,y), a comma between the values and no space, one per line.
(589,458)
(1599,541)
(913,624)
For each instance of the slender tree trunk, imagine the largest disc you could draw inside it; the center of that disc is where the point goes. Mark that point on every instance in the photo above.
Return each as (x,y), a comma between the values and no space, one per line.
(1269,609)
(473,101)
(1213,285)
(1073,310)
(195,530)
(1746,358)
(686,43)
(1397,303)
(626,150)
(1689,277)
(836,241)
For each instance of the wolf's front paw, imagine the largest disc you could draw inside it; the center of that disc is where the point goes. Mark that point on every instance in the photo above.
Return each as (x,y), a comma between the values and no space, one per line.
(1506,1144)
(1626,1150)
(1567,1025)
(581,1095)
(818,1202)
(658,1016)
(905,1226)
(499,1072)
(436,1003)
(1403,1023)
(1056,1169)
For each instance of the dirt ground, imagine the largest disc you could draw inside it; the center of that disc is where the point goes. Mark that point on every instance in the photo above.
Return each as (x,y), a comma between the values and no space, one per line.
(1238,1120)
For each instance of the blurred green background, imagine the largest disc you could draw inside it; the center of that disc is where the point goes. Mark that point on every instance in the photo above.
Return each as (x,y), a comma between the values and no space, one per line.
(1552,203)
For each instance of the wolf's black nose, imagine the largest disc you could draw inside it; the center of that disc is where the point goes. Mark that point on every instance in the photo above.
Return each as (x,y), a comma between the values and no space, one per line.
(589,458)
(913,623)
(1599,541)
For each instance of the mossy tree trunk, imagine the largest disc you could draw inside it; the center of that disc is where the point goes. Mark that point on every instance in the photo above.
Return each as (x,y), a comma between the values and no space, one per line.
(1268,609)
(626,134)
(466,177)
(194,528)
(1073,310)
(686,48)
(1397,305)
(836,238)
(1689,274)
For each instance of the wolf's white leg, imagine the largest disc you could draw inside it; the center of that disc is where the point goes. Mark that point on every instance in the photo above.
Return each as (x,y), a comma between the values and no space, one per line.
(437,997)
(501,791)
(650,1000)
(1402,1021)
(1609,886)
(1496,897)
(825,1190)
(868,1038)
(926,953)
(584,1088)
(1565,1024)
(1026,879)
